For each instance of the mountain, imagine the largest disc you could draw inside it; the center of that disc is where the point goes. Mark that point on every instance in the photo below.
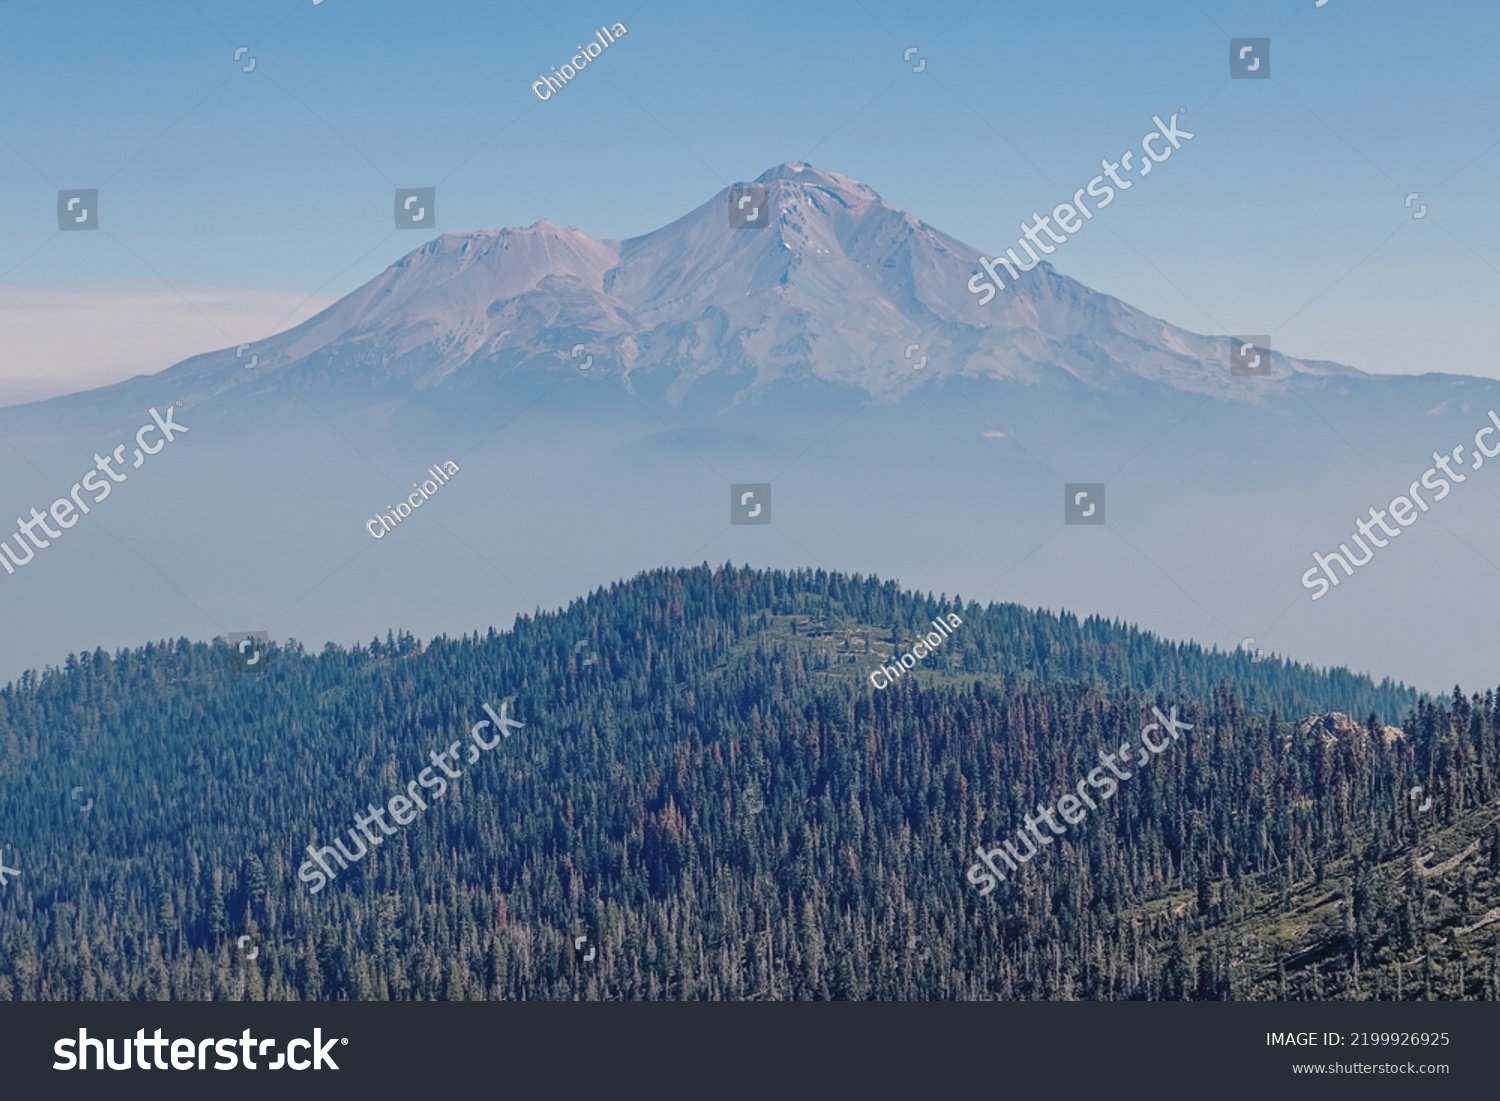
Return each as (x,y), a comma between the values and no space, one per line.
(712,356)
(834,288)
(705,784)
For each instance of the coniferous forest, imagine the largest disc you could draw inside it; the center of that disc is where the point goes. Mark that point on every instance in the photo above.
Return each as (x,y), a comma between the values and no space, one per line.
(711,792)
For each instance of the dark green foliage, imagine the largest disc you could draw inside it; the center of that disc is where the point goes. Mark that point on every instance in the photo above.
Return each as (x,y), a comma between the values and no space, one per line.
(727,809)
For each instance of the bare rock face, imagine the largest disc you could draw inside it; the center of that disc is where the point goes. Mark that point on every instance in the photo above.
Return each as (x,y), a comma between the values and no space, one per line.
(1336,727)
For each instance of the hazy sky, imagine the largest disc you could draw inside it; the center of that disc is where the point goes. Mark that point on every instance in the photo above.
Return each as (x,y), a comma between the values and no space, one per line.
(1285,214)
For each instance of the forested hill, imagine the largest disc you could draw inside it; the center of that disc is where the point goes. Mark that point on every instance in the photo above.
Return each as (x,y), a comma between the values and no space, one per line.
(709,788)
(703,613)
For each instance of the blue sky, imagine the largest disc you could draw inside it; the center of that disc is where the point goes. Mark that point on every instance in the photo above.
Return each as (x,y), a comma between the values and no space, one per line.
(1285,214)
